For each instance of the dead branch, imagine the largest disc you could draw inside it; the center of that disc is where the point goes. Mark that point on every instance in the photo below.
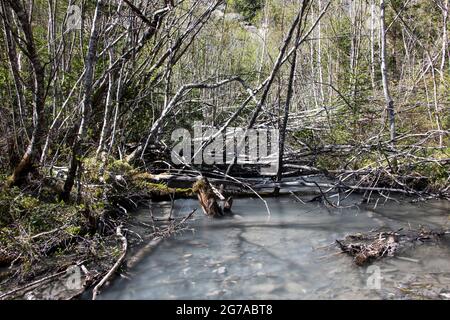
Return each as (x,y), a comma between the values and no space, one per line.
(119,261)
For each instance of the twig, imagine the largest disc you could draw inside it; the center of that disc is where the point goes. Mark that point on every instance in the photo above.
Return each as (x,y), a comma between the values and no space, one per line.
(252,190)
(408,259)
(47,232)
(296,197)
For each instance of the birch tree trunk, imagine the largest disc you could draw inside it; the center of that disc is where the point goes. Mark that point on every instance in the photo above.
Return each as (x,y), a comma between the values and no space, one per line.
(372,43)
(11,50)
(85,107)
(384,75)
(444,39)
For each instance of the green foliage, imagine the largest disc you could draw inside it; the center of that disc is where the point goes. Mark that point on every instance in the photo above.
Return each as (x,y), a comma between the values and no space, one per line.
(34,215)
(248,8)
(73,230)
(305,136)
(437,175)
(120,167)
(325,162)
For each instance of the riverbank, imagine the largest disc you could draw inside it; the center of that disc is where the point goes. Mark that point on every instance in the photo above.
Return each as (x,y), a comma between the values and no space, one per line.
(45,242)
(51,249)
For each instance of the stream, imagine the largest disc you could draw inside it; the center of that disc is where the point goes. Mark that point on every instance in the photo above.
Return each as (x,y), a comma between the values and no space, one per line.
(289,255)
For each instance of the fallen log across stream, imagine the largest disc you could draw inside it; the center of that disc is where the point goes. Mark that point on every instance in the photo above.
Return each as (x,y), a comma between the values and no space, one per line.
(315,184)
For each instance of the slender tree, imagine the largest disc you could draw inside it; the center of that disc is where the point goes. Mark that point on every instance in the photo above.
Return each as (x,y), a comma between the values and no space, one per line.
(86,105)
(384,73)
(30,159)
(444,39)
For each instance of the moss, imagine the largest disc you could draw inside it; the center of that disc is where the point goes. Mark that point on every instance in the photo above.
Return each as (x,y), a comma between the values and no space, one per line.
(162,188)
(91,168)
(120,167)
(73,230)
(143,176)
(144,181)
(328,163)
(116,252)
(29,203)
(199,185)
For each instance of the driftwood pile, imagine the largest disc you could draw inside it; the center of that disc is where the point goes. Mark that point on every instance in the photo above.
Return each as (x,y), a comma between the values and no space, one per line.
(365,248)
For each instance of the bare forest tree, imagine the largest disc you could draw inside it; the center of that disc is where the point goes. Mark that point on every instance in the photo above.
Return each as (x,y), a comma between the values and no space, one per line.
(107,81)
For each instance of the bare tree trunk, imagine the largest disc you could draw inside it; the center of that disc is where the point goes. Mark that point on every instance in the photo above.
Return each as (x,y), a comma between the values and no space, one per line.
(264,40)
(31,157)
(372,43)
(319,57)
(14,63)
(436,102)
(101,144)
(287,107)
(278,63)
(384,75)
(282,57)
(444,39)
(353,49)
(313,67)
(85,107)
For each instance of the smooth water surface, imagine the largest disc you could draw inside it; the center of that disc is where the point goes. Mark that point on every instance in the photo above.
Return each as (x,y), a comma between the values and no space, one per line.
(289,255)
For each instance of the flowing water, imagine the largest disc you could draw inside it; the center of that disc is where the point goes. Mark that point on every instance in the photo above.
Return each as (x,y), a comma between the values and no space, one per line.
(289,255)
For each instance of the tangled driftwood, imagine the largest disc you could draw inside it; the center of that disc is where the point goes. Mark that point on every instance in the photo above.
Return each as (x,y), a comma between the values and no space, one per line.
(368,247)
